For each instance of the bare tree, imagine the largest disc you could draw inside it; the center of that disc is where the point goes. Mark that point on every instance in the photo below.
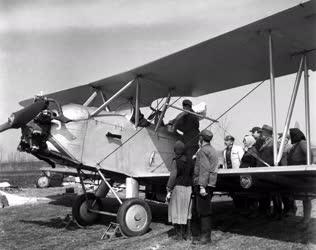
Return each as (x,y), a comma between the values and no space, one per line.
(223,126)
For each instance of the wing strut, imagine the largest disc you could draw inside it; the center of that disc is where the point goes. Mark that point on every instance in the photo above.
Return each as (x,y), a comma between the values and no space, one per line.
(164,109)
(90,99)
(273,105)
(291,107)
(307,110)
(137,104)
(99,109)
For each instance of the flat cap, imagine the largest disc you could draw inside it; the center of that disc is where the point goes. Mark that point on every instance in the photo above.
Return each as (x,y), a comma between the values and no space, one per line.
(229,138)
(187,102)
(255,129)
(206,135)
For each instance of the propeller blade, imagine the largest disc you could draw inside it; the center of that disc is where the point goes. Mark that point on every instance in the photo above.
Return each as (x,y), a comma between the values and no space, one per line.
(25,115)
(22,117)
(5,126)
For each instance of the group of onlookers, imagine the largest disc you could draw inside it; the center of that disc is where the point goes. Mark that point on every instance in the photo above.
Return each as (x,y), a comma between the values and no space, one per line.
(193,172)
(258,152)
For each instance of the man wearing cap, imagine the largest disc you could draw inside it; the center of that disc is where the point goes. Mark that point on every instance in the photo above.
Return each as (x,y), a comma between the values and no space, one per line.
(204,181)
(232,153)
(188,124)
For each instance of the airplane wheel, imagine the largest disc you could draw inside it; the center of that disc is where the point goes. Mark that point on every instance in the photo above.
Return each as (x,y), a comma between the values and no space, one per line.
(80,209)
(42,182)
(134,217)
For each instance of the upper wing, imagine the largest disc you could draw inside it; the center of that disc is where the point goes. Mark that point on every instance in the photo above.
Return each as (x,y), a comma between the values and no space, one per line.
(233,59)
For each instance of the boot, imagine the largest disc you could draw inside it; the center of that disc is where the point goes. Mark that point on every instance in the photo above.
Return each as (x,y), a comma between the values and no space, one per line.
(205,238)
(205,230)
(183,232)
(307,209)
(177,230)
(195,240)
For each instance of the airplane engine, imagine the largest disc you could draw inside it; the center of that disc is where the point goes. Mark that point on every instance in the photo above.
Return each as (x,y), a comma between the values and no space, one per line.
(36,133)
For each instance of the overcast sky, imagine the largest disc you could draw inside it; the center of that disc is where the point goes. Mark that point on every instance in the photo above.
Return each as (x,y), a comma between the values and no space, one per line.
(52,45)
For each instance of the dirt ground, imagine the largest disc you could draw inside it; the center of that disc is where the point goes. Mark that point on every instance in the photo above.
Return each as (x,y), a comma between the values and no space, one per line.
(43,226)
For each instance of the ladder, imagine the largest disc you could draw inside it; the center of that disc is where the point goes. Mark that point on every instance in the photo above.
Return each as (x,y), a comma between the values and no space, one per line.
(112,230)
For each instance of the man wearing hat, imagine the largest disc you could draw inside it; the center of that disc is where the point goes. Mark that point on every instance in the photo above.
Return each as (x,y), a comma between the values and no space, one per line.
(204,181)
(265,156)
(232,153)
(188,124)
(266,150)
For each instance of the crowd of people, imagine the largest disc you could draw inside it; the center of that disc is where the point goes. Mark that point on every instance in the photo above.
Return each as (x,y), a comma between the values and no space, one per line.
(194,173)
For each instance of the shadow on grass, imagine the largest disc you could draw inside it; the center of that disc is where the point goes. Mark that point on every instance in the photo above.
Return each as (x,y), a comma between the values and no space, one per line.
(67,223)
(290,229)
(225,219)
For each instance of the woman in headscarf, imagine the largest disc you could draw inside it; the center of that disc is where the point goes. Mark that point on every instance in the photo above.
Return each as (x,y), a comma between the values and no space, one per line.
(179,189)
(297,156)
(249,159)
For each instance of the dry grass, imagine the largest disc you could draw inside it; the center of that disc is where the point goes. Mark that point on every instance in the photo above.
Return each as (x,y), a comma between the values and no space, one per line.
(41,226)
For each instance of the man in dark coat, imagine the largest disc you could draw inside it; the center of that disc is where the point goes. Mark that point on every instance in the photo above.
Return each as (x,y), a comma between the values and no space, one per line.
(188,124)
(204,181)
(265,156)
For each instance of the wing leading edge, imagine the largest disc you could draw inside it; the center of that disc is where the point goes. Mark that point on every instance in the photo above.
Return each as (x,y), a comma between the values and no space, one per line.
(230,60)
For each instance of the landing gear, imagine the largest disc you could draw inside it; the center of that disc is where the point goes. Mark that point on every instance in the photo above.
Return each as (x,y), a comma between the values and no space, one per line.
(134,217)
(81,206)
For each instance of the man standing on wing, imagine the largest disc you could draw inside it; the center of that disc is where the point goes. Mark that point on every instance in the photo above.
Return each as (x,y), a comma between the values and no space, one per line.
(204,181)
(188,124)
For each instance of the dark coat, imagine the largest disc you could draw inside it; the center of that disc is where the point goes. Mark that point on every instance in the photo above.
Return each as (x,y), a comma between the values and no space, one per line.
(181,173)
(188,124)
(249,159)
(298,152)
(266,153)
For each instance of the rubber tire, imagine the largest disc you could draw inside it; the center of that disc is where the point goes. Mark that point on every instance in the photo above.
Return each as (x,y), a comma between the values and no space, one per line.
(79,201)
(43,182)
(121,216)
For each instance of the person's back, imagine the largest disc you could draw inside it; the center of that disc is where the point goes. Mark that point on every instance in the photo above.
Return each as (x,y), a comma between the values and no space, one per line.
(297,154)
(179,189)
(184,171)
(189,124)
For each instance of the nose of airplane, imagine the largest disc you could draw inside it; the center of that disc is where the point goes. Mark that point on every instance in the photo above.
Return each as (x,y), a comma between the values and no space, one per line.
(22,117)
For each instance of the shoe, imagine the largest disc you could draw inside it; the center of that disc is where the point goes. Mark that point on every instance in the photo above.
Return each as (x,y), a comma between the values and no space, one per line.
(195,240)
(205,238)
(183,232)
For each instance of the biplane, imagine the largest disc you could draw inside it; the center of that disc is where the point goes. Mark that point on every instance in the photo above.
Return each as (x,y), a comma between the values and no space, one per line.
(99,127)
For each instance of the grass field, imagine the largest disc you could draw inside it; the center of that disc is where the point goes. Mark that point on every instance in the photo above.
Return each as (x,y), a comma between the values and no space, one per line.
(42,226)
